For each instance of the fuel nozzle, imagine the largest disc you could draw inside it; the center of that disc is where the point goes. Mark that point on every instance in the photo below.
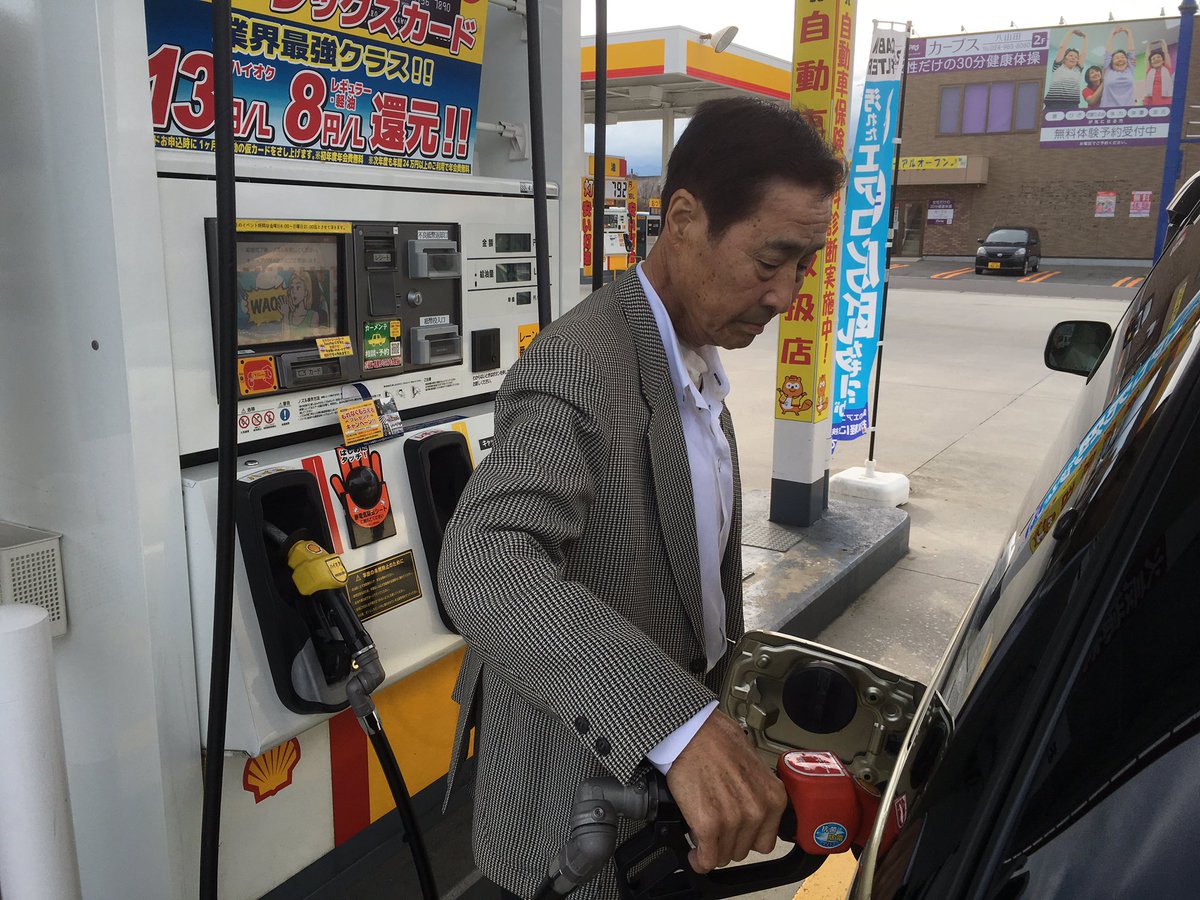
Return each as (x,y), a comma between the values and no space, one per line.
(321,575)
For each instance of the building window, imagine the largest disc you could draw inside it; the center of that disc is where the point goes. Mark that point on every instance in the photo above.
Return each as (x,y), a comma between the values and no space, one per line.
(951,101)
(998,107)
(1029,104)
(974,114)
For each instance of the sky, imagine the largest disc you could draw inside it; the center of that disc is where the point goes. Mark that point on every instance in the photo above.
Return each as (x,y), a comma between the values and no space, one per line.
(766,26)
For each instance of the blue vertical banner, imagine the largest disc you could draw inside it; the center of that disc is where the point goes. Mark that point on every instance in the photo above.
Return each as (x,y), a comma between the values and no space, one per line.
(864,235)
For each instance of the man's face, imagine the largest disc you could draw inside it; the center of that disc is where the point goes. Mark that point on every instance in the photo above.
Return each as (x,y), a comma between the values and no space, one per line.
(731,287)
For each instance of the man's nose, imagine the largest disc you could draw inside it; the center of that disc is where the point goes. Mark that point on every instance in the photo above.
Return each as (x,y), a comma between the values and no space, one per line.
(781,292)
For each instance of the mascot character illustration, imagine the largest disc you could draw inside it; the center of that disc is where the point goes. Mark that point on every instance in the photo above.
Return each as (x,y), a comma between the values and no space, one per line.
(792,396)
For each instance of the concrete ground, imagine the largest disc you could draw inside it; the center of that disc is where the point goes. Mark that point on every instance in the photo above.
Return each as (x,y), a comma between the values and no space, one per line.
(967,410)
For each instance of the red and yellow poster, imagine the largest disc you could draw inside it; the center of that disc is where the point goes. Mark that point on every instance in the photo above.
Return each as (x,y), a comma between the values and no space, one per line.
(363,82)
(821,59)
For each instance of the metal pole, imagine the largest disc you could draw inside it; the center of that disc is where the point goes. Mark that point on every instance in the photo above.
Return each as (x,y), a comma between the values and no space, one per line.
(887,259)
(1173,158)
(537,140)
(600,150)
(227,395)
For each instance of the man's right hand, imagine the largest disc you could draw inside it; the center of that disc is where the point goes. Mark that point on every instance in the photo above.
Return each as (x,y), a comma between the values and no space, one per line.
(730,799)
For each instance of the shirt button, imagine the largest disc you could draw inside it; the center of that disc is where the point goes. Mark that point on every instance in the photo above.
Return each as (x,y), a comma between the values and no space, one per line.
(603,747)
(582,725)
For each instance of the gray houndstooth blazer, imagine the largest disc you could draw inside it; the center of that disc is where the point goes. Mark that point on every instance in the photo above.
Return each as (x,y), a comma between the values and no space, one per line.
(571,568)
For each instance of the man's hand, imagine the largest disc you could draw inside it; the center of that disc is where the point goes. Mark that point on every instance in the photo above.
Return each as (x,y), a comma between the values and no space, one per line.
(730,799)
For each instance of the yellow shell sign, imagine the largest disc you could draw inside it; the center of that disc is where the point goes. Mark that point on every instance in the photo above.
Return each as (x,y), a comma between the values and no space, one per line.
(267,775)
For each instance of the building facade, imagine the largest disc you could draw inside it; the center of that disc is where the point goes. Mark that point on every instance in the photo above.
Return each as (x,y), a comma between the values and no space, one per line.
(1049,128)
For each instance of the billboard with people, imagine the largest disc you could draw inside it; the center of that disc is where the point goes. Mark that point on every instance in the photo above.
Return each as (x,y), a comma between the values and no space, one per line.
(1109,84)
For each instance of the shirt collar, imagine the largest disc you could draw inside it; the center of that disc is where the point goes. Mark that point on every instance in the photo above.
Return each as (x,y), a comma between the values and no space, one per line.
(695,372)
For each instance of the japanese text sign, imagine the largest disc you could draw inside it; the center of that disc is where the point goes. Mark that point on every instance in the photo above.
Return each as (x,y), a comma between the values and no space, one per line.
(820,88)
(976,52)
(864,235)
(391,83)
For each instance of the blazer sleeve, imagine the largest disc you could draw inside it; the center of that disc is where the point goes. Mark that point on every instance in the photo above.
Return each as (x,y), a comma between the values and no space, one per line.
(500,572)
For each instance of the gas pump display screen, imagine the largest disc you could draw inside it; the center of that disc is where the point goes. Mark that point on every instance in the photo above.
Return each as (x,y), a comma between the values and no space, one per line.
(510,272)
(514,243)
(288,290)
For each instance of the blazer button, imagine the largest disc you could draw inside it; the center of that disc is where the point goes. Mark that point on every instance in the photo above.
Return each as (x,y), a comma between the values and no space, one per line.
(603,747)
(582,725)
(698,666)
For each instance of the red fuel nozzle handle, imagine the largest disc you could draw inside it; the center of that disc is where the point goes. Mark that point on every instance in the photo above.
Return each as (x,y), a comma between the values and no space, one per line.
(833,811)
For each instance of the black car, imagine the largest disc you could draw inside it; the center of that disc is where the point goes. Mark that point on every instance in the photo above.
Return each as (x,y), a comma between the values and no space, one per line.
(1009,248)
(1056,751)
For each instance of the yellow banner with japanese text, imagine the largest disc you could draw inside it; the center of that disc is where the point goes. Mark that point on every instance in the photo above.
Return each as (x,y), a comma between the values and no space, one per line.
(924,163)
(821,57)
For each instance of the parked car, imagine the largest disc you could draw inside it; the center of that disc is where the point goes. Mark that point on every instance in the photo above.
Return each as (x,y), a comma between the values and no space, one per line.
(1058,751)
(1009,248)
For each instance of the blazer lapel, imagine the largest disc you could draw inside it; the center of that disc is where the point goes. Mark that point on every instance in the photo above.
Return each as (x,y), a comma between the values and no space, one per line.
(668,452)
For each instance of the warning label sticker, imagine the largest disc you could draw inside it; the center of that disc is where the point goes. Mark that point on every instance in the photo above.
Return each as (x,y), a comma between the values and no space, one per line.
(384,586)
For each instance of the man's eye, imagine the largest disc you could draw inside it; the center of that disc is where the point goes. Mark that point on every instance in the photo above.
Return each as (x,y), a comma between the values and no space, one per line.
(769,265)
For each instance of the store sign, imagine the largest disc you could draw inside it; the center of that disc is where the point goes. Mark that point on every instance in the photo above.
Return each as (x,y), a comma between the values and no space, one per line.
(931,163)
(368,82)
(865,235)
(820,88)
(976,52)
(941,212)
(1094,98)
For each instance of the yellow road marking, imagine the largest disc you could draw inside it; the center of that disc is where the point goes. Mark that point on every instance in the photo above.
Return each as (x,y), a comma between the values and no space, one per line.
(899,265)
(953,273)
(1039,277)
(1136,282)
(1121,282)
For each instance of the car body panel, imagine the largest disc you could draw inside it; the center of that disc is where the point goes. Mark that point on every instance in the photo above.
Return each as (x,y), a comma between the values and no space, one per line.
(1062,619)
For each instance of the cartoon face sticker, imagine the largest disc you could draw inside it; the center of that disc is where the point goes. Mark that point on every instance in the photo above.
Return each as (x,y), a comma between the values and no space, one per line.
(792,396)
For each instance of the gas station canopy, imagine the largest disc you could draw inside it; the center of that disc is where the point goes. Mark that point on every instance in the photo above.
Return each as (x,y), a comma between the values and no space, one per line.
(655,72)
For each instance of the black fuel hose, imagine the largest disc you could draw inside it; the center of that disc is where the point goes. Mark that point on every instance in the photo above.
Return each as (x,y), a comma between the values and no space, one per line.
(227,398)
(412,833)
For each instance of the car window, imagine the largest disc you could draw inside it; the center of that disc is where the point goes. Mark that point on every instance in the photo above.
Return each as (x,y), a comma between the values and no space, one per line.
(1007,236)
(1111,809)
(1174,280)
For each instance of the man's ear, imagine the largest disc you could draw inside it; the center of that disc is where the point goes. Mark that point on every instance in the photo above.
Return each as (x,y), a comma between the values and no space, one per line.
(685,215)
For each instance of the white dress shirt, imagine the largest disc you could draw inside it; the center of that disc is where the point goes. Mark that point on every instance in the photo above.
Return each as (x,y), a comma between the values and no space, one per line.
(700,390)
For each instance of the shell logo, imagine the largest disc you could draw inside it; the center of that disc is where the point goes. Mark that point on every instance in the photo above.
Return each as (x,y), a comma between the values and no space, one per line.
(267,775)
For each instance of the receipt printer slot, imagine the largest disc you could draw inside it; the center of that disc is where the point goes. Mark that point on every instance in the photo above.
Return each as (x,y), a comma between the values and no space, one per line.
(436,345)
(434,259)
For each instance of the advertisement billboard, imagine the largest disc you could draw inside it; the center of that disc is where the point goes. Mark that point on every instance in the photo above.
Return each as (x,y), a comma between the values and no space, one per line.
(364,83)
(1109,84)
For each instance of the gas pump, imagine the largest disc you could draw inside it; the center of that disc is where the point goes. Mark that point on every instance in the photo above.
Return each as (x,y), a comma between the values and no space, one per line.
(616,231)
(386,262)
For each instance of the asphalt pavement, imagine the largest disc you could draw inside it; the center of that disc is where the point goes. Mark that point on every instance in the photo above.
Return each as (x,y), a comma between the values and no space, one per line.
(1054,278)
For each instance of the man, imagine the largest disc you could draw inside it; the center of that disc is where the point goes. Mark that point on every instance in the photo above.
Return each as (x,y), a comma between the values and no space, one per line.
(593,564)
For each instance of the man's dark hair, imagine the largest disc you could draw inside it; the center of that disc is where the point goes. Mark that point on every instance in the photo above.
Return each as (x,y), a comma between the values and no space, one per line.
(733,147)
